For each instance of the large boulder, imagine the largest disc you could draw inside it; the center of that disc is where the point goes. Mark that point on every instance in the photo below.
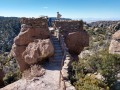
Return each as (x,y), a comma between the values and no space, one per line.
(114,47)
(29,33)
(38,50)
(76,41)
(32,43)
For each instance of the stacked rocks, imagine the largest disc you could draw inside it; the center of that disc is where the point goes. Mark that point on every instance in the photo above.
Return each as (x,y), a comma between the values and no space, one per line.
(32,44)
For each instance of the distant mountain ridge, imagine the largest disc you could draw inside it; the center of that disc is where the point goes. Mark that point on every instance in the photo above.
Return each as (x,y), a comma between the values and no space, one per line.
(103,23)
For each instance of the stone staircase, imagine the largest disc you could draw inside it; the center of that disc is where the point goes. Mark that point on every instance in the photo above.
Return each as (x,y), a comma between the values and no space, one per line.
(58,50)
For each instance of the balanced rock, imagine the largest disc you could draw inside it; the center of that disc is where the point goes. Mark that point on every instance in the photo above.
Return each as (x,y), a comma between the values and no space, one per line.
(38,50)
(32,43)
(76,41)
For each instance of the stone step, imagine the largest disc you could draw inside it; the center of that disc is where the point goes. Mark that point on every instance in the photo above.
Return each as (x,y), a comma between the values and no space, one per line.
(58,54)
(58,48)
(57,61)
(55,40)
(57,45)
(58,57)
(58,51)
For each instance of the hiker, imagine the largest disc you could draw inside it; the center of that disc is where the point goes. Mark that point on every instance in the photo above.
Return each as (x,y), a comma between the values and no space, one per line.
(58,15)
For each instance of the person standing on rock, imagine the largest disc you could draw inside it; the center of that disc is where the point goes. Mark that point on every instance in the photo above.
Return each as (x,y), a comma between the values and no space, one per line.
(58,15)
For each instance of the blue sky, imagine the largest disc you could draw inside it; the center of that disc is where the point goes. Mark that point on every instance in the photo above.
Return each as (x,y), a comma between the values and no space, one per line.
(68,8)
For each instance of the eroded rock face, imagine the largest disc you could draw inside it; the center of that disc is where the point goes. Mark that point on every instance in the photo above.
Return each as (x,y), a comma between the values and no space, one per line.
(33,43)
(34,71)
(38,50)
(29,33)
(76,41)
(114,47)
(17,53)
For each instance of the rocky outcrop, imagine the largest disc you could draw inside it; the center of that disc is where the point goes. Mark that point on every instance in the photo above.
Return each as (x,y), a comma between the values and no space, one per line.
(114,47)
(29,33)
(75,37)
(38,51)
(76,41)
(117,26)
(37,83)
(33,71)
(1,78)
(32,44)
(17,53)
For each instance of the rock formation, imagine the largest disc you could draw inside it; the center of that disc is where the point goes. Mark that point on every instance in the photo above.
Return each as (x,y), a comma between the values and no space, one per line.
(37,51)
(33,71)
(32,44)
(76,41)
(115,43)
(75,37)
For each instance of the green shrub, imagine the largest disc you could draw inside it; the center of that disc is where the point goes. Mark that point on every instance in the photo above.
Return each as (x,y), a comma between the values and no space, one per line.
(12,77)
(13,73)
(90,83)
(108,65)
